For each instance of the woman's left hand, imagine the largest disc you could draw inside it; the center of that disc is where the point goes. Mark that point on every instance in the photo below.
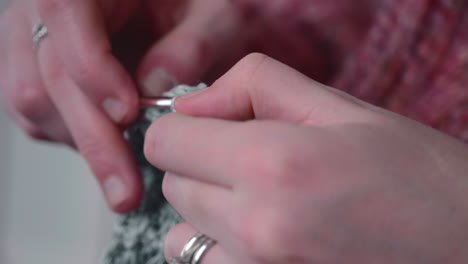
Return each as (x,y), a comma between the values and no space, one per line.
(315,176)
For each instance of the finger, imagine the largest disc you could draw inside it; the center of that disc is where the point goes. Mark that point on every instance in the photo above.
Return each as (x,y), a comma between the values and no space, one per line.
(78,32)
(180,234)
(225,153)
(186,53)
(99,141)
(30,106)
(201,204)
(260,87)
(192,144)
(26,126)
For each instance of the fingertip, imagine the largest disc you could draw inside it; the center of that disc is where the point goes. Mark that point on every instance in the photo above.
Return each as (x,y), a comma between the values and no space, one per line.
(216,101)
(156,81)
(121,111)
(123,189)
(115,109)
(188,103)
(158,72)
(127,206)
(185,55)
(122,196)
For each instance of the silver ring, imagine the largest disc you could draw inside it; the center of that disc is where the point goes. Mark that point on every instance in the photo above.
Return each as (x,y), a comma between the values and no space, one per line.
(194,250)
(173,110)
(189,249)
(198,255)
(39,32)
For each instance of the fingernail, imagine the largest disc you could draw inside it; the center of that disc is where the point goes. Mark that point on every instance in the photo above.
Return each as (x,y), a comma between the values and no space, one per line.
(115,191)
(114,109)
(157,81)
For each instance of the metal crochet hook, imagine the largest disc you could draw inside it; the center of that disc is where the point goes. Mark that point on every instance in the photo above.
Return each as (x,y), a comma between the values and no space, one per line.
(158,101)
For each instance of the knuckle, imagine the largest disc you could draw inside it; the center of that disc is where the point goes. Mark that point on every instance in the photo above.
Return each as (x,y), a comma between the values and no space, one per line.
(268,163)
(86,70)
(253,61)
(245,72)
(265,236)
(34,133)
(253,160)
(29,100)
(248,70)
(96,156)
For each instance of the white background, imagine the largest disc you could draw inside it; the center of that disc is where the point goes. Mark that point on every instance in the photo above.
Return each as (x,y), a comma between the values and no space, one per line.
(51,210)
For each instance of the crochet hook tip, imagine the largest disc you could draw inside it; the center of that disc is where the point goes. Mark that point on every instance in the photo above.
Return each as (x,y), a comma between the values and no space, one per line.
(158,101)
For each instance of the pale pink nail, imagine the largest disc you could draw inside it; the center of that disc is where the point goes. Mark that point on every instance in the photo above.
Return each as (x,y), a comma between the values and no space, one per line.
(115,191)
(156,82)
(114,109)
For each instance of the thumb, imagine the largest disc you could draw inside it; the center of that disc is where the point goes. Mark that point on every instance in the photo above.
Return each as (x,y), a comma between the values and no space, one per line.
(188,52)
(259,87)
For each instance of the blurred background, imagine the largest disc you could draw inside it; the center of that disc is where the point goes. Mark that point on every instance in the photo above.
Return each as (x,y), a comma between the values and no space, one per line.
(51,210)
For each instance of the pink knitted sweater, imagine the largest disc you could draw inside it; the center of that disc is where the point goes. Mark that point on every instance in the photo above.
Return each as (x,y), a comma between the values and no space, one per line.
(410,56)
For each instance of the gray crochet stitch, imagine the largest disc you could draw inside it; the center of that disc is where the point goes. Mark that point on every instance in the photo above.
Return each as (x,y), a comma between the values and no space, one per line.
(138,236)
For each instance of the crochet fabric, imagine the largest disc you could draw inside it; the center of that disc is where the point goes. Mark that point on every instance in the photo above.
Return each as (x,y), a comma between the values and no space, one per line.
(138,236)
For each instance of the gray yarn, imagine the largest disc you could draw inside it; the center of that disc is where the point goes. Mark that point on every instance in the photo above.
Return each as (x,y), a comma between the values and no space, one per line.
(138,236)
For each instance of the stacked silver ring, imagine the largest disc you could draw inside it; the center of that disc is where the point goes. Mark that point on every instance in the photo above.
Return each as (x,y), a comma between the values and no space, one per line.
(194,250)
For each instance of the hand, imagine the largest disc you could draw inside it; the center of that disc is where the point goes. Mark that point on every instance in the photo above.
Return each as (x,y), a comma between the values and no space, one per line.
(280,169)
(72,89)
(75,89)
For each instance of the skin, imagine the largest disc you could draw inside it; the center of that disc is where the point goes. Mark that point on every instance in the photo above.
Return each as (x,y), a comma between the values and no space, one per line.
(281,169)
(75,90)
(314,176)
(81,87)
